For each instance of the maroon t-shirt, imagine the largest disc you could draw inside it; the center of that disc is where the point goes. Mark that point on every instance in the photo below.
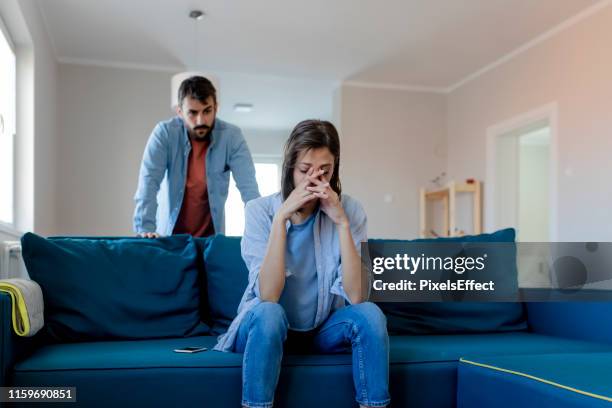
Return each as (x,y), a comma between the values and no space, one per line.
(195,217)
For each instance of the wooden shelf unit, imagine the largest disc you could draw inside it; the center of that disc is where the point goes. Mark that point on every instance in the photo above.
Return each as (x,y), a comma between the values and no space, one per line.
(448,196)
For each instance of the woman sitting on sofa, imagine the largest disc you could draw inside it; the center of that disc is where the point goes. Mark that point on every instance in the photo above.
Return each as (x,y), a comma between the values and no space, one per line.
(301,248)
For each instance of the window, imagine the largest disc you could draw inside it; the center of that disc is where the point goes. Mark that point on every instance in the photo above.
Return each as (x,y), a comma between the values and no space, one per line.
(267,173)
(7,126)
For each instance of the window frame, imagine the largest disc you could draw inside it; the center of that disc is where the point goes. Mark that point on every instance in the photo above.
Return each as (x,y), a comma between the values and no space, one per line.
(10,227)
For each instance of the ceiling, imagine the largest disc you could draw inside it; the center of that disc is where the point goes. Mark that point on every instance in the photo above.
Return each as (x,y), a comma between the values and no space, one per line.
(286,57)
(429,43)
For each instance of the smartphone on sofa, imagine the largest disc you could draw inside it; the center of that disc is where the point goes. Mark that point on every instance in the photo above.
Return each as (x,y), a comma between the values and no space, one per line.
(190,349)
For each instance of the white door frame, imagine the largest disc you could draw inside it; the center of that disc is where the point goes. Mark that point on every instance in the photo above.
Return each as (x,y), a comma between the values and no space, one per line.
(548,112)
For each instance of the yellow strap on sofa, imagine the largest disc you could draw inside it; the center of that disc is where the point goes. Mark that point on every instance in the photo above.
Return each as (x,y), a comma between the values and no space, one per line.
(533,377)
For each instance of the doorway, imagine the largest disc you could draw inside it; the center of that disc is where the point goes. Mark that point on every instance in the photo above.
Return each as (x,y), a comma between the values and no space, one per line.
(521,176)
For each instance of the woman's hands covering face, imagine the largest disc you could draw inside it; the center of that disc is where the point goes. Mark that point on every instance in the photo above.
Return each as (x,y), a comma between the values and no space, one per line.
(313,187)
(329,200)
(300,195)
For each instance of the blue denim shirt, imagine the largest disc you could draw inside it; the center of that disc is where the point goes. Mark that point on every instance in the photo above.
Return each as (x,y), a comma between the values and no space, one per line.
(163,172)
(258,222)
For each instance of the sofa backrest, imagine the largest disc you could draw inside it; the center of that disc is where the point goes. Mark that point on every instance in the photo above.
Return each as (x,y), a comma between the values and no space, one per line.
(227,277)
(116,288)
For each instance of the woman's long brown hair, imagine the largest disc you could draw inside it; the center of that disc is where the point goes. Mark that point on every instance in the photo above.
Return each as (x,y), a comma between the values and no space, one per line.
(310,134)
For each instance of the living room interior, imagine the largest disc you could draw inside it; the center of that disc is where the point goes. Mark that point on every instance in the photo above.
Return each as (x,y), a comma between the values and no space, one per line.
(411,100)
(511,95)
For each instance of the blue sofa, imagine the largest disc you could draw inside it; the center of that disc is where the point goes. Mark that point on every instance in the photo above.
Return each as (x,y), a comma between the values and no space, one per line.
(559,356)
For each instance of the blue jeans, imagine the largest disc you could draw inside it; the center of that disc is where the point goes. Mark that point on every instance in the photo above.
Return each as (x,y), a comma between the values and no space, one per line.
(361,327)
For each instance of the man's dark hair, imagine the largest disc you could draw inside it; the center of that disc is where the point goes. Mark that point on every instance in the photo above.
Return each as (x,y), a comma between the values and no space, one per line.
(310,134)
(197,87)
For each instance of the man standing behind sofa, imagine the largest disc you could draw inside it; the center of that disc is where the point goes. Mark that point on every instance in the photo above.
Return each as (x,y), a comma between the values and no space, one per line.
(184,174)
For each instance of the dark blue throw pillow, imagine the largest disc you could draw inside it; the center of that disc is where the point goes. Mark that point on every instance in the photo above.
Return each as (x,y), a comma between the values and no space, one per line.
(226,277)
(201,245)
(459,317)
(116,288)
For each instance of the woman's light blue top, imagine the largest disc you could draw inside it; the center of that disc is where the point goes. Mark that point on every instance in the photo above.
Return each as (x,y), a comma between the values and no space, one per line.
(259,214)
(299,297)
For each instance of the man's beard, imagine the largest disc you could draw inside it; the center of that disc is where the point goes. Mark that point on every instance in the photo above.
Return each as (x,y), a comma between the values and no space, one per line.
(201,136)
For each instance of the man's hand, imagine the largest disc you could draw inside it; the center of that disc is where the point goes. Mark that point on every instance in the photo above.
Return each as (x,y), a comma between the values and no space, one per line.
(148,235)
(299,196)
(329,202)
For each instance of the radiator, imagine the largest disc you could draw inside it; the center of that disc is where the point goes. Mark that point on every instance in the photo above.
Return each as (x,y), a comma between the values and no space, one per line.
(11,262)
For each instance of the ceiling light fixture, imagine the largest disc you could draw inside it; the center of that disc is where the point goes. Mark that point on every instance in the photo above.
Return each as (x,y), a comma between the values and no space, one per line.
(243,107)
(195,16)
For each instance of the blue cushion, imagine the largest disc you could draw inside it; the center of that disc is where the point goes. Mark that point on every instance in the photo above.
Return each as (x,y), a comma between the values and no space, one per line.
(554,380)
(226,278)
(116,288)
(460,317)
(581,320)
(201,245)
(422,370)
(403,349)
(99,369)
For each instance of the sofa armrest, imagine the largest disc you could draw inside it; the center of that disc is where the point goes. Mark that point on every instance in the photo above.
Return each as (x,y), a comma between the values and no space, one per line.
(12,347)
(590,321)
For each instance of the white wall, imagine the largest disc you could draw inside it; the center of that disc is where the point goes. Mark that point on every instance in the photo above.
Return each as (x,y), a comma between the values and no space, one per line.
(392,143)
(266,142)
(106,116)
(278,102)
(572,68)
